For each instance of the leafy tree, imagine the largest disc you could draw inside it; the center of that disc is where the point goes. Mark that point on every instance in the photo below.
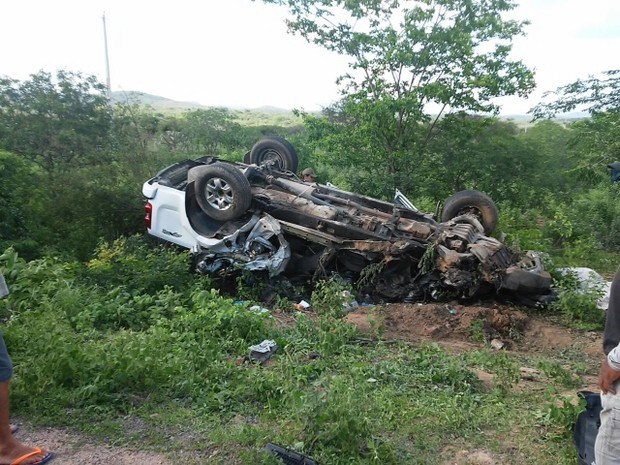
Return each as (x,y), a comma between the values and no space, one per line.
(550,143)
(171,134)
(55,121)
(588,216)
(454,53)
(14,180)
(481,153)
(208,131)
(135,129)
(594,142)
(595,213)
(594,95)
(89,204)
(410,63)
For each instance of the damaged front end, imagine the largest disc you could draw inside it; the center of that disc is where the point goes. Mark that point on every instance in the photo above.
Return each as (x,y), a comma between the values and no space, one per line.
(461,263)
(258,245)
(456,262)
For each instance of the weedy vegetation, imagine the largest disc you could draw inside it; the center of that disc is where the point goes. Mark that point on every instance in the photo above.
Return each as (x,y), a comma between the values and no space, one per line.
(111,339)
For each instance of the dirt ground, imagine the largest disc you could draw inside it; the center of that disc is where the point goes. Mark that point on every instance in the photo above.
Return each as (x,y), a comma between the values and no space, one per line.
(455,327)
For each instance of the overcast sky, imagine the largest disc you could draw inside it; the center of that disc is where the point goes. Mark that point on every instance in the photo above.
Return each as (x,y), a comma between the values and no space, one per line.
(237,53)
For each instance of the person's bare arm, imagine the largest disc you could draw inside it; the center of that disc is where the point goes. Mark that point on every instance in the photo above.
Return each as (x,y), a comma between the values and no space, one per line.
(607,377)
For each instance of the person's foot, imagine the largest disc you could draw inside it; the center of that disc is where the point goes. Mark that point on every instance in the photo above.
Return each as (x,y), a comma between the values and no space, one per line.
(14,428)
(21,454)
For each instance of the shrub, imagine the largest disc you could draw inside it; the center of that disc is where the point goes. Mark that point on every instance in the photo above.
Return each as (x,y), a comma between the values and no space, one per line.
(596,214)
(138,265)
(331,297)
(580,306)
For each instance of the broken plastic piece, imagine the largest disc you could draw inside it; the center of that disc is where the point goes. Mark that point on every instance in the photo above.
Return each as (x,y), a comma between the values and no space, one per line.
(259,309)
(288,456)
(263,351)
(348,302)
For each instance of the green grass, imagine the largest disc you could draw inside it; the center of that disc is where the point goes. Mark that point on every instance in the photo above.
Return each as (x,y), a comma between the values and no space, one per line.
(161,366)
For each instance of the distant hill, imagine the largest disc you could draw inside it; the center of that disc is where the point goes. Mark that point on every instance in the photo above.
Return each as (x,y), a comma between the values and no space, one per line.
(155,101)
(166,104)
(262,116)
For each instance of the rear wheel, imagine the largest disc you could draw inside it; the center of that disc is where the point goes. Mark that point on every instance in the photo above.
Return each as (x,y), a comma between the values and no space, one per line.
(222,191)
(473,203)
(277,151)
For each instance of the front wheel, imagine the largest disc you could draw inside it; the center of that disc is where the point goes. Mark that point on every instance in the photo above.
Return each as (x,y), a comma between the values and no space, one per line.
(474,203)
(222,191)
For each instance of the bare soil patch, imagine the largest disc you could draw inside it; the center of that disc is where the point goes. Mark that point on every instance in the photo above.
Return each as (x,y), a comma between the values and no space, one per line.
(457,327)
(71,448)
(460,328)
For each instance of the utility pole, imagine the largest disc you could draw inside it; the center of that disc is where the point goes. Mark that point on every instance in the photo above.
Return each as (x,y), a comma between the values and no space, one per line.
(107,61)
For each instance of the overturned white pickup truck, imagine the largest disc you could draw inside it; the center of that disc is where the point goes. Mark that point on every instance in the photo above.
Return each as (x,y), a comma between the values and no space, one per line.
(258,215)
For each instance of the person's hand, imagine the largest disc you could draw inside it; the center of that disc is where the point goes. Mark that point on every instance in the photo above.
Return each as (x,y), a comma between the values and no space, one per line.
(607,377)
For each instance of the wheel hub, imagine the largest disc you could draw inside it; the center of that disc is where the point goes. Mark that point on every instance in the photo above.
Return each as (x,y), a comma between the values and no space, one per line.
(219,194)
(273,157)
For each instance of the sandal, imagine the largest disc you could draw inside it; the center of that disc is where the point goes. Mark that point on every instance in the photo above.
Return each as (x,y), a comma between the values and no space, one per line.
(36,451)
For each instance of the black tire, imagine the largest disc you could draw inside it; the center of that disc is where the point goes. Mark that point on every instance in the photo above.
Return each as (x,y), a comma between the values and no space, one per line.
(474,203)
(222,191)
(276,150)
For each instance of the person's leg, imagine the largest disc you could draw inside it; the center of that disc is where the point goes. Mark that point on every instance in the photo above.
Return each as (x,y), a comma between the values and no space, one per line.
(607,446)
(6,370)
(11,449)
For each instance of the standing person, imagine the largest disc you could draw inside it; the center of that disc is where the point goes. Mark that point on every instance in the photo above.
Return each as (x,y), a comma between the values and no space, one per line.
(607,446)
(308,175)
(12,451)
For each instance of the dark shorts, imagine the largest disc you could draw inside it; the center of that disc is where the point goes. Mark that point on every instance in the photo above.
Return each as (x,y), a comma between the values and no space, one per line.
(6,366)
